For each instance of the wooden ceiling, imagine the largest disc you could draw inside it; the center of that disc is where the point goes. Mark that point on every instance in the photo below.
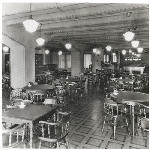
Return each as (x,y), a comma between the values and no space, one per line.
(93,24)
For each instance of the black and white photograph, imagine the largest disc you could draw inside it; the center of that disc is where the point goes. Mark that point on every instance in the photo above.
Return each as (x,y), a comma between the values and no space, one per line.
(75,74)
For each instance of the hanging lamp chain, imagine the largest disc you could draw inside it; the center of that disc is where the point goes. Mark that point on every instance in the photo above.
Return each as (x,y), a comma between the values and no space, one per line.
(30,9)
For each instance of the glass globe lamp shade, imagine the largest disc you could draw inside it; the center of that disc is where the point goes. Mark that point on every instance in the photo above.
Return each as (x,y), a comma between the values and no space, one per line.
(94,50)
(5,49)
(108,48)
(130,51)
(30,24)
(60,53)
(123,52)
(46,51)
(128,36)
(40,41)
(135,44)
(68,46)
(140,49)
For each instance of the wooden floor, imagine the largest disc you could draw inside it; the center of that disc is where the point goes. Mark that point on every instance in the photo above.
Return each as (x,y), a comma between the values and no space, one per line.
(86,124)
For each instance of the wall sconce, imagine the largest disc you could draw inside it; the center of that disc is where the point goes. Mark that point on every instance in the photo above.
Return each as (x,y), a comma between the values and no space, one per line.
(60,53)
(5,49)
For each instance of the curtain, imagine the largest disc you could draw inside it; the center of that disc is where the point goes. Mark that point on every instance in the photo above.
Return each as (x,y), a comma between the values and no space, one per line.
(87,60)
(68,61)
(61,61)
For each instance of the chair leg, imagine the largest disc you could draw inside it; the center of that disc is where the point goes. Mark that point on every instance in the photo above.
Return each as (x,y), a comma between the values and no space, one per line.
(104,123)
(58,145)
(67,143)
(40,145)
(10,139)
(114,127)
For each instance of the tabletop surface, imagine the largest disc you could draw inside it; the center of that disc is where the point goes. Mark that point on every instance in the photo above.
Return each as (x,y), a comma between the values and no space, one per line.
(133,96)
(39,87)
(30,112)
(68,80)
(125,80)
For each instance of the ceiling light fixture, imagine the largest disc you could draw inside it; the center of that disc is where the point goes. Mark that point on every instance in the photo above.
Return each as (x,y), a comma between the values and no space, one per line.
(30,24)
(40,41)
(140,49)
(68,46)
(108,48)
(135,43)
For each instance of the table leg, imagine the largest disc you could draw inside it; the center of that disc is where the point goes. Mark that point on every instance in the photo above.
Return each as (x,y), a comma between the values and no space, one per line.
(132,120)
(31,134)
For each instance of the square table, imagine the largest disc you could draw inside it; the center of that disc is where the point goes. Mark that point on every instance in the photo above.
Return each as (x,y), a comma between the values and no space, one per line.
(30,114)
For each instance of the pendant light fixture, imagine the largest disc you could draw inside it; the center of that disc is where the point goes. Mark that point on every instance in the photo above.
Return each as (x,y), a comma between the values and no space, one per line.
(129,35)
(40,41)
(135,43)
(140,49)
(68,46)
(108,48)
(30,24)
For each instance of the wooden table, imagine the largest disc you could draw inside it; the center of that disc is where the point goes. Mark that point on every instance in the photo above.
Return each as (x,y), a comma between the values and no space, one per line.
(131,98)
(39,87)
(125,80)
(29,114)
(69,80)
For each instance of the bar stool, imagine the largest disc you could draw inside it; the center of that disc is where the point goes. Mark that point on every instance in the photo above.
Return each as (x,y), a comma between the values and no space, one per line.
(114,110)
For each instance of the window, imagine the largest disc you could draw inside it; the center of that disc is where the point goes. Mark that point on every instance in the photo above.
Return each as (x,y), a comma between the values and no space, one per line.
(87,60)
(65,61)
(68,61)
(106,58)
(61,61)
(114,57)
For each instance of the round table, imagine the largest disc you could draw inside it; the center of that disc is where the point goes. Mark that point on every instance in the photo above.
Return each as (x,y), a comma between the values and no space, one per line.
(132,99)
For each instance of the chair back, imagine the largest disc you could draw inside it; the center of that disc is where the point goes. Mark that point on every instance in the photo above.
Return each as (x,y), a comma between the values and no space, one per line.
(56,133)
(50,101)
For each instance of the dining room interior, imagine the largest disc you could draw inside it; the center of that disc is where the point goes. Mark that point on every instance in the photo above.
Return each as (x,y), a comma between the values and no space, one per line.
(75,75)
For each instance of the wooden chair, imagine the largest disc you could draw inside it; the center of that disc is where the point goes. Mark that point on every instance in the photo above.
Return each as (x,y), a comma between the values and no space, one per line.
(143,120)
(18,94)
(15,130)
(56,133)
(38,97)
(113,111)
